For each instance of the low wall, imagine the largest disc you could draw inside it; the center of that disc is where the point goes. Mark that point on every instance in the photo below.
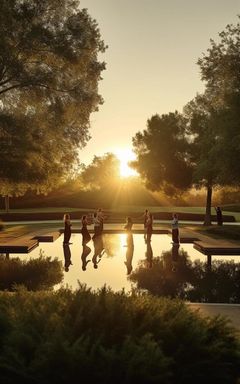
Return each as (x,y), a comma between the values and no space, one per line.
(111,216)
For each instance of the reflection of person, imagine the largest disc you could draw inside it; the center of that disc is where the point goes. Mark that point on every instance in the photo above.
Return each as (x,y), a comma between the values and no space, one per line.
(219,215)
(130,245)
(129,253)
(149,227)
(85,234)
(85,252)
(175,256)
(67,257)
(149,255)
(67,228)
(98,250)
(175,230)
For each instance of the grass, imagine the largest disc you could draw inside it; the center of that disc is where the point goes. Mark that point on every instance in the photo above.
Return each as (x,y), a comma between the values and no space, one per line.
(231,232)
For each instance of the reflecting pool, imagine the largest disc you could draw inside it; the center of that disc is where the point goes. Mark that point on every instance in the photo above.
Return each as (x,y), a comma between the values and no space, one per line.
(122,261)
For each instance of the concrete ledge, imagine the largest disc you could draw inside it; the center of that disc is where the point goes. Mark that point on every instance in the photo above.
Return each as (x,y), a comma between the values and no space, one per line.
(19,246)
(116,231)
(49,238)
(214,249)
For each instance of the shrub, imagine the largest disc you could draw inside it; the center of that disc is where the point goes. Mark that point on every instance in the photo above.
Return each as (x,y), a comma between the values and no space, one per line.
(105,337)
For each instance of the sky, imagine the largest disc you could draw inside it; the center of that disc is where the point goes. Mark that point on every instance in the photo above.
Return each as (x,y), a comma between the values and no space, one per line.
(151,62)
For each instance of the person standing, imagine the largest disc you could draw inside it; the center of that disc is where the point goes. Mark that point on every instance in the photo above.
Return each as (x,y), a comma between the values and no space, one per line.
(149,227)
(219,215)
(175,230)
(145,218)
(85,234)
(67,228)
(101,217)
(96,225)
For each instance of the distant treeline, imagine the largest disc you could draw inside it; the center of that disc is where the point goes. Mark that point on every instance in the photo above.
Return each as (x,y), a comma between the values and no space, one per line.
(129,192)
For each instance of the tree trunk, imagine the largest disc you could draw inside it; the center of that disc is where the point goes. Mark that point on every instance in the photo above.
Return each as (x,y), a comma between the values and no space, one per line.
(7,203)
(207,219)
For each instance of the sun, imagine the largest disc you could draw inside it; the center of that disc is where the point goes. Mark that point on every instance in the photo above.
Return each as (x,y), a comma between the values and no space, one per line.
(125,156)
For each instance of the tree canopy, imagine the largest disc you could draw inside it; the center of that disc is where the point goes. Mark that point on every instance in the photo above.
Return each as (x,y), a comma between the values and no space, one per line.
(101,173)
(49,74)
(162,154)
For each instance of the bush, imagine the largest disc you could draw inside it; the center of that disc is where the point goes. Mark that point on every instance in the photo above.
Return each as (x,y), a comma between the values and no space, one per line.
(105,337)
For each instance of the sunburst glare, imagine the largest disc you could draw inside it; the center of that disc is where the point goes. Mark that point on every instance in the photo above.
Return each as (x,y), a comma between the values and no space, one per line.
(125,156)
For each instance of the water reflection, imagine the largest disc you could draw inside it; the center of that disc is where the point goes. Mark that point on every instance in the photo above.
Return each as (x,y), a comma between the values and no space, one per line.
(174,274)
(175,256)
(34,274)
(85,252)
(120,260)
(149,255)
(67,257)
(98,250)
(129,252)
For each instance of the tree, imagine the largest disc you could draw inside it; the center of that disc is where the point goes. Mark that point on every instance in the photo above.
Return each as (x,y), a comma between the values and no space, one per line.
(205,147)
(214,118)
(49,73)
(101,173)
(162,154)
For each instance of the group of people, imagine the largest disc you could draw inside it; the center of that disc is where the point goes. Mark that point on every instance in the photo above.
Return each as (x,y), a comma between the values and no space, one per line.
(97,220)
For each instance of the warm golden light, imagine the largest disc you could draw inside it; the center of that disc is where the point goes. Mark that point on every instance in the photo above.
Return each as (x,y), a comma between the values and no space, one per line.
(125,156)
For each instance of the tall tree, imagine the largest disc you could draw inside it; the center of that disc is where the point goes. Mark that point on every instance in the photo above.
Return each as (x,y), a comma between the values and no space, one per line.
(49,73)
(215,117)
(162,151)
(205,147)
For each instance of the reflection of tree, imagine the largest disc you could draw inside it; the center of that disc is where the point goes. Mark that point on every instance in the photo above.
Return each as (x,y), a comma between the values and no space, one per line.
(34,274)
(190,280)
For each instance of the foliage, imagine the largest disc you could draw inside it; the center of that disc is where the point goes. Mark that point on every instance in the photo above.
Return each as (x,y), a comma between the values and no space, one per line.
(101,173)
(179,277)
(64,336)
(49,73)
(34,274)
(162,154)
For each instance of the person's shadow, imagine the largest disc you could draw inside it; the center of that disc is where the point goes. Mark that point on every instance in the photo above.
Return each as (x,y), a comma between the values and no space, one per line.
(67,257)
(149,255)
(129,253)
(175,256)
(98,250)
(85,252)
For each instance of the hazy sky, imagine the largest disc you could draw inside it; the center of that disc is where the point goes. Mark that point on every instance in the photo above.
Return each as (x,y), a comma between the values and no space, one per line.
(151,61)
